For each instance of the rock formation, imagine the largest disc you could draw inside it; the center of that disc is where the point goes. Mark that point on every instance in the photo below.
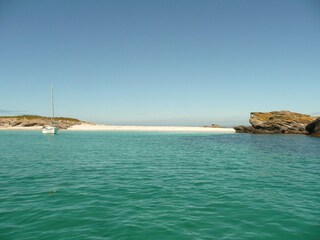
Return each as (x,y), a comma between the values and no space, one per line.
(37,121)
(314,127)
(277,122)
(213,126)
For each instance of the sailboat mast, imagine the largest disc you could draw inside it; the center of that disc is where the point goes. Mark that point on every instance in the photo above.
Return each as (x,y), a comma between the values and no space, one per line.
(52,103)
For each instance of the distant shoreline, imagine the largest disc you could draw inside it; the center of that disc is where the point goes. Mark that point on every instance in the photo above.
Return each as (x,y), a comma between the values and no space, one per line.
(100,127)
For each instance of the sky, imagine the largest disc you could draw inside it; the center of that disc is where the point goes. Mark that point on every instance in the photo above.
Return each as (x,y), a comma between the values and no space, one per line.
(164,62)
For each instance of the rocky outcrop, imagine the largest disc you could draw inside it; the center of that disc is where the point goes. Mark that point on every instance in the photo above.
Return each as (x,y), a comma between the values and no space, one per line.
(37,121)
(244,129)
(213,126)
(314,127)
(277,122)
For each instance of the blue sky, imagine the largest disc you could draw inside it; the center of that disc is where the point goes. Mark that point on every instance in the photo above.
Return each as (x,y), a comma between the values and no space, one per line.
(178,62)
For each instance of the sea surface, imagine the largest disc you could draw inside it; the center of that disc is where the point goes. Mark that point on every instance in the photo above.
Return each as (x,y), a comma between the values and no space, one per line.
(139,185)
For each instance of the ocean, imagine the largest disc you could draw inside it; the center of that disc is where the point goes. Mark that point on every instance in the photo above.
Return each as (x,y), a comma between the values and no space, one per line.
(152,185)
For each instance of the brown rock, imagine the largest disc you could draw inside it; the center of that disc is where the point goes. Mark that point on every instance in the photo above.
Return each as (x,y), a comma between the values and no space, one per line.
(277,122)
(314,127)
(34,121)
(213,126)
(244,129)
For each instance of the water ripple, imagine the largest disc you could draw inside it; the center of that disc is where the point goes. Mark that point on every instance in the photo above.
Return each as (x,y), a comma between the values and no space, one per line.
(158,186)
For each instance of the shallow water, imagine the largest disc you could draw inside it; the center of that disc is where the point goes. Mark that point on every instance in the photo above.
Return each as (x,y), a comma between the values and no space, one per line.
(135,185)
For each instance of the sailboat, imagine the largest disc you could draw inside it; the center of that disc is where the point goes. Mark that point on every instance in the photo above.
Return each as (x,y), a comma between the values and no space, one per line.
(52,129)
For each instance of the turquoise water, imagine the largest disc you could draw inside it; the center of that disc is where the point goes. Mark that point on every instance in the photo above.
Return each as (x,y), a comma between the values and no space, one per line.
(131,185)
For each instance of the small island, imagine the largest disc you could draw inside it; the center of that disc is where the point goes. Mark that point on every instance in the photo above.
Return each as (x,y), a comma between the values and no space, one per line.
(281,122)
(34,121)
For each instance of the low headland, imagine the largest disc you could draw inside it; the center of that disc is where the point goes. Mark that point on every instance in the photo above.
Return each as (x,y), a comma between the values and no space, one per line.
(281,122)
(36,122)
(32,122)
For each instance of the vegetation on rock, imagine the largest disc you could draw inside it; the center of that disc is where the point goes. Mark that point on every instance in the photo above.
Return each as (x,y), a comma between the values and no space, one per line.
(277,122)
(34,121)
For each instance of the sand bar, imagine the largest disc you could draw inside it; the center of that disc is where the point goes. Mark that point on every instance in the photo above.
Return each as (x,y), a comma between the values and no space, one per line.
(97,127)
(100,127)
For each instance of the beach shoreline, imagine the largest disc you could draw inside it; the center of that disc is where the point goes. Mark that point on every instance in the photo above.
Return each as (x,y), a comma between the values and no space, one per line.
(100,127)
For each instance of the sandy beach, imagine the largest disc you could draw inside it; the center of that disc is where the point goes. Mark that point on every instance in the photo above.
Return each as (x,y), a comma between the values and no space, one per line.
(97,127)
(100,127)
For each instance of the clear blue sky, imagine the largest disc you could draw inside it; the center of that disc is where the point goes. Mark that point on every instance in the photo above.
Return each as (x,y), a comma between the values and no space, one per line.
(159,62)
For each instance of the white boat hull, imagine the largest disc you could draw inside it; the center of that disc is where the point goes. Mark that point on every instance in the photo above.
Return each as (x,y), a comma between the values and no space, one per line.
(50,130)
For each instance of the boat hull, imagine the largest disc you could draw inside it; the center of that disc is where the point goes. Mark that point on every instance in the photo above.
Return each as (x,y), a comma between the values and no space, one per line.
(50,130)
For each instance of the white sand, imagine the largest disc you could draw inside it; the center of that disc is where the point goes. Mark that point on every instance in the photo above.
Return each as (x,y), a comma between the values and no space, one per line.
(97,127)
